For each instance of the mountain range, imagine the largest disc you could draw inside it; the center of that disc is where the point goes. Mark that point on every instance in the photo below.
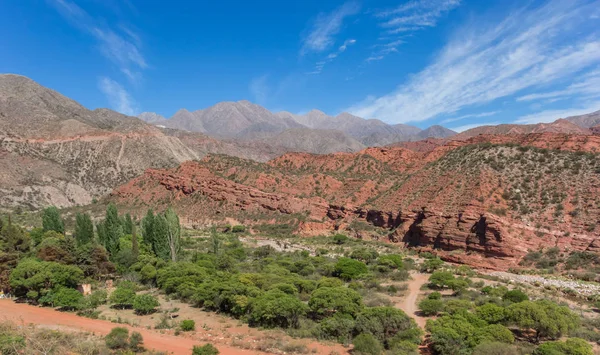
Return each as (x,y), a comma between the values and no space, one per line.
(244,120)
(55,151)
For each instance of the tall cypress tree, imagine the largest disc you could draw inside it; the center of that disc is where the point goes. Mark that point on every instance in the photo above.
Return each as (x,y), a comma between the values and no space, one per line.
(173,233)
(160,243)
(51,220)
(113,230)
(148,228)
(84,229)
(135,249)
(127,224)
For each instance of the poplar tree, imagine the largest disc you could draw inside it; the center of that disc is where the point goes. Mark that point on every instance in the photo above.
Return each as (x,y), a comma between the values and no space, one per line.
(51,220)
(84,229)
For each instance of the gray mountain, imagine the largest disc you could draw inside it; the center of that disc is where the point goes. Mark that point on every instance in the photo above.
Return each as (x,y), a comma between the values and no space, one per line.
(436,131)
(152,118)
(586,121)
(321,141)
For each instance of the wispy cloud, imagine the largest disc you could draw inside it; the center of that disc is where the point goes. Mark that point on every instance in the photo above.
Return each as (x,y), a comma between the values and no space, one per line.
(408,18)
(326,26)
(472,115)
(320,64)
(118,97)
(259,89)
(553,115)
(585,87)
(122,46)
(531,47)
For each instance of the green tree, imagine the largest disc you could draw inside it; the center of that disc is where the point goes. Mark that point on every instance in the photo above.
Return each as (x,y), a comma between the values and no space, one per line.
(160,244)
(440,279)
(431,307)
(326,301)
(349,269)
(548,319)
(206,349)
(515,296)
(35,276)
(277,309)
(340,239)
(113,230)
(367,344)
(148,228)
(135,248)
(51,220)
(145,304)
(173,234)
(127,223)
(84,229)
(122,297)
(67,298)
(383,322)
(491,313)
(495,348)
(573,346)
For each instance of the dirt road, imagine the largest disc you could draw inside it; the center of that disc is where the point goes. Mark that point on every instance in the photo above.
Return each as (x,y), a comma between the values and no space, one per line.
(409,303)
(153,340)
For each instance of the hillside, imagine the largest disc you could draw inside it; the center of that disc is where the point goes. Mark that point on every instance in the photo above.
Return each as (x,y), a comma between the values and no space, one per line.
(56,152)
(558,126)
(428,199)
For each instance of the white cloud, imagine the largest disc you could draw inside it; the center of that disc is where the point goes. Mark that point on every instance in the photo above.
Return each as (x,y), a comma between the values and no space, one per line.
(118,97)
(586,86)
(530,48)
(122,49)
(473,115)
(259,89)
(553,115)
(326,26)
(408,18)
(320,64)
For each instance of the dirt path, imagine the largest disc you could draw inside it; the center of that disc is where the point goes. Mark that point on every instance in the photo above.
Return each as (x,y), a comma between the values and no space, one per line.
(153,340)
(409,303)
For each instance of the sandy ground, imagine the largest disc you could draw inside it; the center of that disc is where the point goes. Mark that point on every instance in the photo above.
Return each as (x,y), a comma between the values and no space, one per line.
(409,302)
(153,339)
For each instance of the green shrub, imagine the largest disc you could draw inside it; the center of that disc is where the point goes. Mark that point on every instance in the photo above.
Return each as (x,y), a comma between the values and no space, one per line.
(136,342)
(67,298)
(238,229)
(326,301)
(515,296)
(367,344)
(145,304)
(573,346)
(349,269)
(495,348)
(340,239)
(118,338)
(122,297)
(188,325)
(207,349)
(431,307)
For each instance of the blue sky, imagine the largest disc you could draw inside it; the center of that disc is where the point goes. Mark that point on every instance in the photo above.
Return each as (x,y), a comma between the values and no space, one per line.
(459,63)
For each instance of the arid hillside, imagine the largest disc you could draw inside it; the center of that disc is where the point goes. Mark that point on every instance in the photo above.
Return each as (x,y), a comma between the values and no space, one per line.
(486,200)
(56,152)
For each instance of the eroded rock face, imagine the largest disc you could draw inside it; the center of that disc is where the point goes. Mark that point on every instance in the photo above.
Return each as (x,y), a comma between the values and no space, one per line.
(486,205)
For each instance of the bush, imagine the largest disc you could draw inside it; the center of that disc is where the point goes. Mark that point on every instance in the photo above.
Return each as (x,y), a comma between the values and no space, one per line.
(515,296)
(67,298)
(238,229)
(349,269)
(326,301)
(188,325)
(367,344)
(340,239)
(431,307)
(495,348)
(573,346)
(207,349)
(277,309)
(118,338)
(145,304)
(122,297)
(434,296)
(136,342)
